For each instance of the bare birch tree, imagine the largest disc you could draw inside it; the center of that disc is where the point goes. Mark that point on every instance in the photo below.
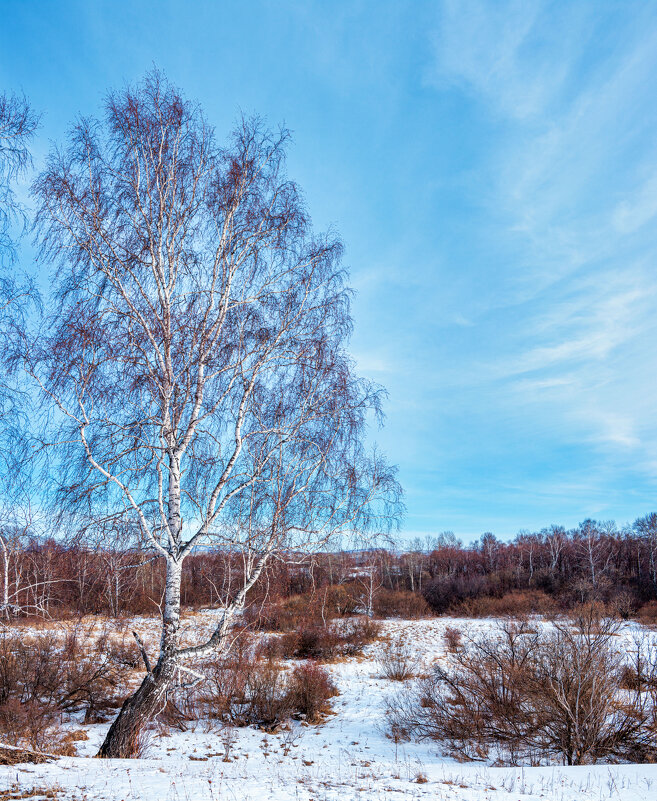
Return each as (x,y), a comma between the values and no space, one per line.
(196,355)
(17,126)
(18,122)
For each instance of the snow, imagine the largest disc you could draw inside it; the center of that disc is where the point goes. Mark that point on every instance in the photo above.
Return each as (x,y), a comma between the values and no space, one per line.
(346,757)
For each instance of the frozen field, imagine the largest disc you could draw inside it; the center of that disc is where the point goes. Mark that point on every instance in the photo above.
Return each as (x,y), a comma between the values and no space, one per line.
(346,757)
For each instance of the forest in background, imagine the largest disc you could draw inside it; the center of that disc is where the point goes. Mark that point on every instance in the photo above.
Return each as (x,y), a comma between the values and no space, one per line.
(546,572)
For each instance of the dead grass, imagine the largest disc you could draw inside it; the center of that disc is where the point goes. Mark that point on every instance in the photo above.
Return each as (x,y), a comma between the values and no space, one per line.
(18,756)
(17,792)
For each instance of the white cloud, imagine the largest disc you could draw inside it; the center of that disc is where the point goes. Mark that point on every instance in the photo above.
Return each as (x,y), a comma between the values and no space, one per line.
(480,46)
(637,210)
(572,184)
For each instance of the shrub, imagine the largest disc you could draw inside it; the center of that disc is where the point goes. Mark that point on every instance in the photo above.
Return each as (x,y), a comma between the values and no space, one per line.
(282,646)
(623,604)
(647,613)
(446,592)
(93,673)
(28,724)
(317,642)
(178,712)
(403,604)
(34,725)
(264,693)
(288,615)
(224,693)
(640,675)
(513,604)
(46,675)
(244,691)
(340,600)
(309,689)
(356,634)
(398,660)
(527,693)
(266,699)
(453,638)
(340,638)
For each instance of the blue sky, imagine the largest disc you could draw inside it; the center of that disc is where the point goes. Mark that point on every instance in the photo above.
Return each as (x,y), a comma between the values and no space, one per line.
(492,168)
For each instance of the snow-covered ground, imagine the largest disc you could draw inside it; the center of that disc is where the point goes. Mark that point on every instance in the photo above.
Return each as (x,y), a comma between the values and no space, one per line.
(346,757)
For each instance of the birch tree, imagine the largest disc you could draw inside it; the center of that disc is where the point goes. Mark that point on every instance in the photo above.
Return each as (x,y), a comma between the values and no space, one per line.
(18,123)
(196,356)
(17,126)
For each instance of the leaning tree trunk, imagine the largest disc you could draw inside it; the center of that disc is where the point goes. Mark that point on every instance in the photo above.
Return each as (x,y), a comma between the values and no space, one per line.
(123,738)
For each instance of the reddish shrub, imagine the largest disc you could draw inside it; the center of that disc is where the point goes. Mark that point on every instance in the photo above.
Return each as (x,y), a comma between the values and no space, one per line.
(453,638)
(28,724)
(46,675)
(357,633)
(404,604)
(283,646)
(287,615)
(309,689)
(340,638)
(340,600)
(267,702)
(513,604)
(398,659)
(647,613)
(317,642)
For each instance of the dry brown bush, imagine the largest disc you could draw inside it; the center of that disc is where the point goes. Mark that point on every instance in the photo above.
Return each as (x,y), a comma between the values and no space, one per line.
(403,604)
(317,642)
(287,615)
(28,724)
(94,671)
(246,693)
(339,600)
(267,703)
(398,660)
(279,646)
(529,695)
(513,604)
(339,638)
(647,614)
(224,692)
(251,691)
(46,674)
(242,688)
(309,689)
(453,638)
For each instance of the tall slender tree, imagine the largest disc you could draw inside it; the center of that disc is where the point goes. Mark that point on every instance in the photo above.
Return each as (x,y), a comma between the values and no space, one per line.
(17,126)
(196,355)
(18,123)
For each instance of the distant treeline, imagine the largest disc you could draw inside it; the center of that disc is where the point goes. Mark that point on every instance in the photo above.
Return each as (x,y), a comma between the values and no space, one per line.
(547,571)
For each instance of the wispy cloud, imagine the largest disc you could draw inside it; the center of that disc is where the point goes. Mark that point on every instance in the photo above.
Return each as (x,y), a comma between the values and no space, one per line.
(572,186)
(638,209)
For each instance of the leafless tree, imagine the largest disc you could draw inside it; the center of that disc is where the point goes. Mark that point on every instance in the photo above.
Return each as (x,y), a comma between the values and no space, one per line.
(369,577)
(18,122)
(17,126)
(16,587)
(594,547)
(196,355)
(528,544)
(556,539)
(646,528)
